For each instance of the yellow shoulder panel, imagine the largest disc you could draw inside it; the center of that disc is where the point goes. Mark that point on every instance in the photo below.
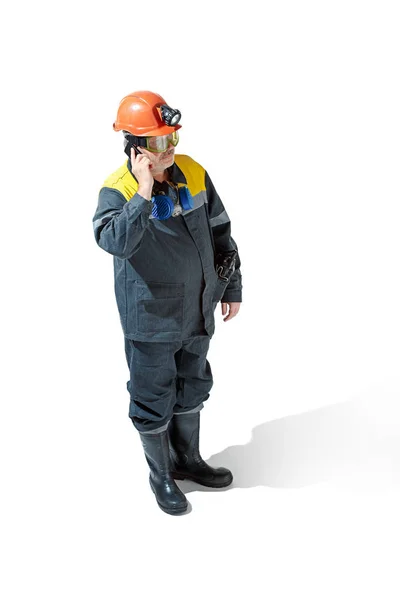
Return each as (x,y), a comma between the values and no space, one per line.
(194,173)
(123,180)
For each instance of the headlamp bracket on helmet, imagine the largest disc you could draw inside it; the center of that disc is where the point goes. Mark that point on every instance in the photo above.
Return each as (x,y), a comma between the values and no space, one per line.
(170,116)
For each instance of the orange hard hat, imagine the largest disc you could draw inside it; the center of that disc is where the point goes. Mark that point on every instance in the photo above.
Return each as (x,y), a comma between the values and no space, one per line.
(143,113)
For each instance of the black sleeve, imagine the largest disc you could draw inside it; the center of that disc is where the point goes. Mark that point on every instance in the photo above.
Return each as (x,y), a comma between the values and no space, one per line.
(223,241)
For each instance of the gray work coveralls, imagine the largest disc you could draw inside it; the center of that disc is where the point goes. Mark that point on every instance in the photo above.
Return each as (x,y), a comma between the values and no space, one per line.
(166,288)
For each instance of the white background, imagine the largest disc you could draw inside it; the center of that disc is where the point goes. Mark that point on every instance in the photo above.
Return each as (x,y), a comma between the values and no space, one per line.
(293,108)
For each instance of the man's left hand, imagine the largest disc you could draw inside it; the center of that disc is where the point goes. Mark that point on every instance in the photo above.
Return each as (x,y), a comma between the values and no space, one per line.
(233,309)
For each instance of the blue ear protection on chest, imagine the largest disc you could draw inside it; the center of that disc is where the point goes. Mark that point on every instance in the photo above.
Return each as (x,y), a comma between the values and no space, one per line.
(185,198)
(163,205)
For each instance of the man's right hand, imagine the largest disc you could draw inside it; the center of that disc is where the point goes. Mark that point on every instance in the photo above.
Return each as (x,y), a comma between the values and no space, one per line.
(141,165)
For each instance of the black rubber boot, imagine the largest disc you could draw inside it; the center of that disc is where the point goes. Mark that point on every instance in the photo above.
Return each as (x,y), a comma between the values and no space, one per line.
(168,495)
(186,462)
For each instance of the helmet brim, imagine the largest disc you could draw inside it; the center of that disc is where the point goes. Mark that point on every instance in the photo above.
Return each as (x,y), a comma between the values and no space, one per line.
(146,131)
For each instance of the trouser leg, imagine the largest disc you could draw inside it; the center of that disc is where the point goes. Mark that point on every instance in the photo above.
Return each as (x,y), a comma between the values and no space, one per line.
(194,378)
(151,385)
(194,383)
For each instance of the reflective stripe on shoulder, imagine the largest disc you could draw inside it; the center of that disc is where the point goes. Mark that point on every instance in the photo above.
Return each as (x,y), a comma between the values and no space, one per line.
(103,220)
(220,219)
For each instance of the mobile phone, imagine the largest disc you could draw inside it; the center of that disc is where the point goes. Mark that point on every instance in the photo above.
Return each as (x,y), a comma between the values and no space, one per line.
(128,147)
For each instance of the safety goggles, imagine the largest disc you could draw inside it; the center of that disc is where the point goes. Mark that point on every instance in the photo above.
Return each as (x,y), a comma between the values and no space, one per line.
(157,143)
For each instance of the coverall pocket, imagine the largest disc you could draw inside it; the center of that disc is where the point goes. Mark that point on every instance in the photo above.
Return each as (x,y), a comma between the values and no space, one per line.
(159,306)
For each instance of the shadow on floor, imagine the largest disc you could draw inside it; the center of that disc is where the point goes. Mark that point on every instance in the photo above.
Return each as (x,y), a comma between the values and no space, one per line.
(343,441)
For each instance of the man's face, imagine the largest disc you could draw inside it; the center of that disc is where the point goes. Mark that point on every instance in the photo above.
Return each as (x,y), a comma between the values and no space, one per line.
(160,160)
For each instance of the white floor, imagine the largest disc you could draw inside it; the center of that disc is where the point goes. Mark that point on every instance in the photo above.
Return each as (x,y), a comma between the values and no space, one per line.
(312,513)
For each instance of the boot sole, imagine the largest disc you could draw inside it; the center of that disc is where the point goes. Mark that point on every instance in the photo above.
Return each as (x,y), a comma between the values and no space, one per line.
(200,481)
(171,511)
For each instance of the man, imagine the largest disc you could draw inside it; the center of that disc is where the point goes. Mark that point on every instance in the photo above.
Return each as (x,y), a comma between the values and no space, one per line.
(161,218)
